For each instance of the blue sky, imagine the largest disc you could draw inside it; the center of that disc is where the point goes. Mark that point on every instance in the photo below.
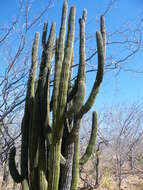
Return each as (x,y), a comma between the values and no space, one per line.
(124,87)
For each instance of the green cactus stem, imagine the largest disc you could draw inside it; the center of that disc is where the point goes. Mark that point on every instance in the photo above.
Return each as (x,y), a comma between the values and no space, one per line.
(103,32)
(80,83)
(51,141)
(12,166)
(92,141)
(26,122)
(59,60)
(75,169)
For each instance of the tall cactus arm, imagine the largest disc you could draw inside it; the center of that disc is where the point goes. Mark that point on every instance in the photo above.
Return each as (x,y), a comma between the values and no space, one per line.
(67,149)
(62,98)
(28,106)
(32,80)
(36,119)
(46,57)
(44,35)
(45,106)
(12,166)
(86,107)
(41,82)
(103,32)
(45,90)
(99,77)
(32,77)
(74,89)
(80,94)
(60,44)
(49,54)
(92,140)
(82,57)
(66,65)
(26,125)
(32,72)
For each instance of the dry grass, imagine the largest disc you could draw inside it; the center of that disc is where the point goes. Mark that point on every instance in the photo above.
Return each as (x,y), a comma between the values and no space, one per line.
(9,185)
(132,182)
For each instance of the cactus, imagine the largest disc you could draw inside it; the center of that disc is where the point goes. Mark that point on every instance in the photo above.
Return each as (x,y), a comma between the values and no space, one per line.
(50,141)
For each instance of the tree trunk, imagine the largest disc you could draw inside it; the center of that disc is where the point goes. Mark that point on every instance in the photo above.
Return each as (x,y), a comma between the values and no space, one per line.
(66,169)
(5,176)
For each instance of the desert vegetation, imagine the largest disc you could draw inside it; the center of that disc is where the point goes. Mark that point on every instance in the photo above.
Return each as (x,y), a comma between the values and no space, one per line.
(53,134)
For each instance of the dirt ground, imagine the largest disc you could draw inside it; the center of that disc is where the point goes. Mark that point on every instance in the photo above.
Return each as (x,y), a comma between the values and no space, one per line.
(132,182)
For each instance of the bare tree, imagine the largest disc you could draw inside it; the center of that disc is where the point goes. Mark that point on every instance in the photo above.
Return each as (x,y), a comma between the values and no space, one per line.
(13,76)
(123,128)
(15,42)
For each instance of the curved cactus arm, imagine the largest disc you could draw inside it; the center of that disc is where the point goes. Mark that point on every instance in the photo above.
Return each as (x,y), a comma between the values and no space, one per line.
(80,94)
(86,107)
(60,45)
(12,166)
(99,77)
(92,140)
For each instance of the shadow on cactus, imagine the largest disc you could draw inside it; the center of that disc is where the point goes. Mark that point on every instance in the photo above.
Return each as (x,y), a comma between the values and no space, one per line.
(50,146)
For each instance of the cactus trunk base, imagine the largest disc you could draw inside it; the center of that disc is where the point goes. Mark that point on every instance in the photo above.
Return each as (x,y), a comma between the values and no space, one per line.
(55,165)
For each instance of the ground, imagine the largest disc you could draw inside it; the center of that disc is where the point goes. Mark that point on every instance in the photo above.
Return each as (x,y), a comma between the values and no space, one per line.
(132,182)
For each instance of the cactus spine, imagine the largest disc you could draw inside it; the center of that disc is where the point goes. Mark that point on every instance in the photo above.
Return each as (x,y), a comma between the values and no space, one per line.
(50,146)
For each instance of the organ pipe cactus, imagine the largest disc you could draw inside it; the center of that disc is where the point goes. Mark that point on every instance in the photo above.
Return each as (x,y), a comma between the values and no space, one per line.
(50,141)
